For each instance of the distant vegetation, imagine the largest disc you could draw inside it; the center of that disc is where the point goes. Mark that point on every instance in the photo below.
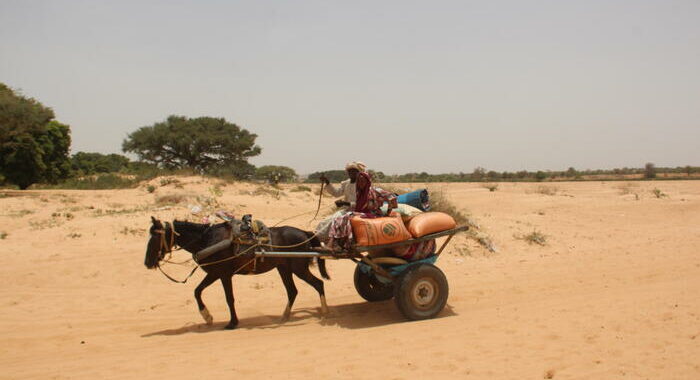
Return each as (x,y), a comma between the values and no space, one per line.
(650,171)
(34,149)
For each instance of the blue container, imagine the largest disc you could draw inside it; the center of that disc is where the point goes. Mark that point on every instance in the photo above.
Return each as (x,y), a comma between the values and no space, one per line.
(418,199)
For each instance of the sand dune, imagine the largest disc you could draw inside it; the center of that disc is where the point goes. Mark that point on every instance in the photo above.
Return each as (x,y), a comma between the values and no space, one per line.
(614,293)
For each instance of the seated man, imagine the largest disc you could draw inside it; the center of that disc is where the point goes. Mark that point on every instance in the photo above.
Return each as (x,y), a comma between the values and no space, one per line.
(346,190)
(347,187)
(360,198)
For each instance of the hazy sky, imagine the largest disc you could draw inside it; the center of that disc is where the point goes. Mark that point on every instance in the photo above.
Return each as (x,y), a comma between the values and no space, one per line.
(404,86)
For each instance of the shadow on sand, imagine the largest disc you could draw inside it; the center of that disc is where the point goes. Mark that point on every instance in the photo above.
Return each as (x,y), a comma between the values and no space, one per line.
(350,316)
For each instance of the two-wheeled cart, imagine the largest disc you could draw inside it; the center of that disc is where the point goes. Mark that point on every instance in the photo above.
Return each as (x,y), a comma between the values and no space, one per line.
(419,287)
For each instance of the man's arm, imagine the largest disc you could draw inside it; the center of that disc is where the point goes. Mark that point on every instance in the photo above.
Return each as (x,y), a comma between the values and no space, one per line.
(330,189)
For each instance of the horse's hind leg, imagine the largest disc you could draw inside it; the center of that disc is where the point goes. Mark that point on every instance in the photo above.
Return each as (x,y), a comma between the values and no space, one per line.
(228,290)
(301,269)
(208,280)
(286,274)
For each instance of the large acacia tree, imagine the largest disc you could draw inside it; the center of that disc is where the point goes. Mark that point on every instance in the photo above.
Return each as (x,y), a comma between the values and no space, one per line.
(205,144)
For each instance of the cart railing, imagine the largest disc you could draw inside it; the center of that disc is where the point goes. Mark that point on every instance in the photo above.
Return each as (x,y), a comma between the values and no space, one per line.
(356,252)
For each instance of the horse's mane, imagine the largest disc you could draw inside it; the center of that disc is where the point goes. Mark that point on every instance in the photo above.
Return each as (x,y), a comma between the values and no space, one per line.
(185,226)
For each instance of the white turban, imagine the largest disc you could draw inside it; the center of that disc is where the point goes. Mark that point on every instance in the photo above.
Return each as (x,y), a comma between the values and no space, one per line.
(356,165)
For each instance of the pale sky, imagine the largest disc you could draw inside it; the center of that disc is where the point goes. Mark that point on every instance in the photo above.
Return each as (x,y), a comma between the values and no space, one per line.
(404,86)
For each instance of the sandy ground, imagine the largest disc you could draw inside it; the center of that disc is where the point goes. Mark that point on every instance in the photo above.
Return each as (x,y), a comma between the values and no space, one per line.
(614,293)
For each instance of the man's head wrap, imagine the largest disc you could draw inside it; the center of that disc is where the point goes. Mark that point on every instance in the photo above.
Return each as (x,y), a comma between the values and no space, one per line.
(357,165)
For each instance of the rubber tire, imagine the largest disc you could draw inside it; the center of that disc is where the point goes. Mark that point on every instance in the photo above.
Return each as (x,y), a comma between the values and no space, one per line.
(371,289)
(426,276)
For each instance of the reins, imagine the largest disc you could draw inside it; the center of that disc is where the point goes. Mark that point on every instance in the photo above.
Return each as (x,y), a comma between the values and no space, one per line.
(168,249)
(320,197)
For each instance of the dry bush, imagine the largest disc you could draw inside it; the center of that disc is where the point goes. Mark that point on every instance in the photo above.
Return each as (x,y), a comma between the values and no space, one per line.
(628,188)
(110,212)
(169,181)
(46,223)
(170,199)
(3,235)
(268,190)
(440,203)
(546,190)
(491,186)
(132,231)
(19,213)
(534,237)
(300,188)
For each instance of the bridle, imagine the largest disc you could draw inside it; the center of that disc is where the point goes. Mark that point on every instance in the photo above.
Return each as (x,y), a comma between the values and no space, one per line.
(166,249)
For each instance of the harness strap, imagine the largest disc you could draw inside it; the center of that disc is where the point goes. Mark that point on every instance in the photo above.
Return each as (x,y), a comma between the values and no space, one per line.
(178,281)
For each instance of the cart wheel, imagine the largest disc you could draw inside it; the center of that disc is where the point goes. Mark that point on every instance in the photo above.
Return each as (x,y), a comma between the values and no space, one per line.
(371,289)
(421,292)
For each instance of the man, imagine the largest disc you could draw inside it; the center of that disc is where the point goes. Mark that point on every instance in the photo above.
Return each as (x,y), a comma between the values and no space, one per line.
(347,187)
(347,190)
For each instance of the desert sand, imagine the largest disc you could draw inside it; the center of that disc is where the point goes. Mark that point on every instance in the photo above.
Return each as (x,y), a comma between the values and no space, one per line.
(614,293)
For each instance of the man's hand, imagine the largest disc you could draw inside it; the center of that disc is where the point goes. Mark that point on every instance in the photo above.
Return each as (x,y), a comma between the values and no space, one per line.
(340,203)
(324,179)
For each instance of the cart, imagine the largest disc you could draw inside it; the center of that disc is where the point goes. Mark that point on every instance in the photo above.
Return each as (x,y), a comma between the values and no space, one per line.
(419,288)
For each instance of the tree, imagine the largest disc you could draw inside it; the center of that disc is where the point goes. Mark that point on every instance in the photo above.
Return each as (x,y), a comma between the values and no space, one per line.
(478,174)
(332,175)
(649,170)
(85,163)
(20,115)
(275,174)
(33,148)
(55,143)
(571,172)
(205,144)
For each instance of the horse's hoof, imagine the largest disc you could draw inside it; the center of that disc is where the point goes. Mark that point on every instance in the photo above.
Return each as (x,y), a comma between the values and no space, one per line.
(231,326)
(207,316)
(286,314)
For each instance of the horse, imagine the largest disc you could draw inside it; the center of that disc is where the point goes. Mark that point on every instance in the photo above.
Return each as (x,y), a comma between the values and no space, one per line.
(238,259)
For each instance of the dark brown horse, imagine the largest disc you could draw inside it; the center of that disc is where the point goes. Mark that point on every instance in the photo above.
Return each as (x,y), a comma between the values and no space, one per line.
(223,264)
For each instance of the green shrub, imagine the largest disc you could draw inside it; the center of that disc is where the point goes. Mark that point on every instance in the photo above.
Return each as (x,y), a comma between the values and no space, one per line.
(658,193)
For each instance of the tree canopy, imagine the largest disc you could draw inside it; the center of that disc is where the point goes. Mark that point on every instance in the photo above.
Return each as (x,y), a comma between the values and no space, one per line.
(86,163)
(205,144)
(275,174)
(33,147)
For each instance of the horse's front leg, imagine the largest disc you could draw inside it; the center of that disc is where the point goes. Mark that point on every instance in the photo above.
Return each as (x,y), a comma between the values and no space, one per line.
(228,290)
(208,280)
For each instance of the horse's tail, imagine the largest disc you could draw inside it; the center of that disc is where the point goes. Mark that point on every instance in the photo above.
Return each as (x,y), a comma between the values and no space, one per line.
(322,268)
(314,242)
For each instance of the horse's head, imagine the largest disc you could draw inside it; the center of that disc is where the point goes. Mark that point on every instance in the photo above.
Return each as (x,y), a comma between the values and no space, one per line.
(159,243)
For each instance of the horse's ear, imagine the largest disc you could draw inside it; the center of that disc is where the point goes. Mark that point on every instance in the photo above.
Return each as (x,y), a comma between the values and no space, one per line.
(153,220)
